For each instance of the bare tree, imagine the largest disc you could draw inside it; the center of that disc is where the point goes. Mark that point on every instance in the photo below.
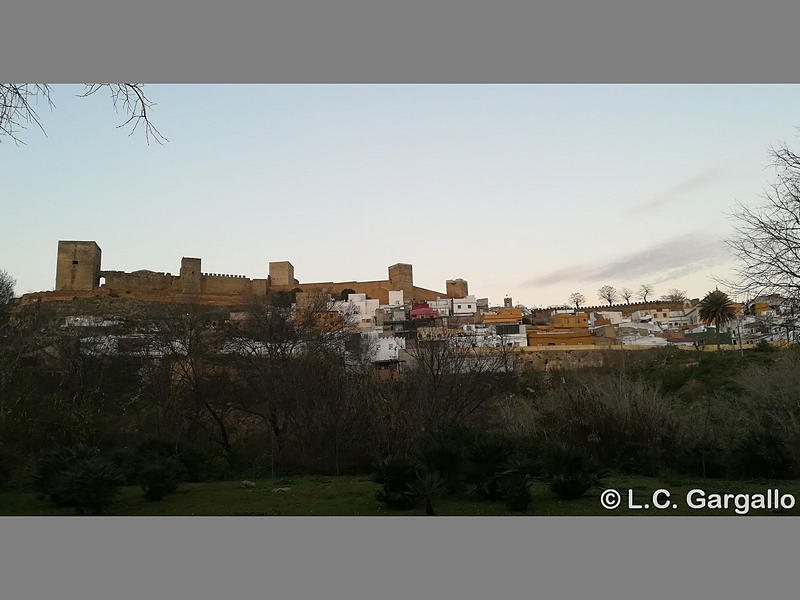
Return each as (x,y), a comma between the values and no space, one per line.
(577,299)
(767,238)
(607,293)
(450,380)
(19,107)
(674,295)
(627,294)
(7,284)
(190,346)
(644,291)
(279,349)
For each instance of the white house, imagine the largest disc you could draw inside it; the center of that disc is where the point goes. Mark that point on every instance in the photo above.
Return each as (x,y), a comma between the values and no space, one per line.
(358,309)
(642,340)
(395,297)
(491,336)
(674,320)
(464,306)
(441,305)
(381,349)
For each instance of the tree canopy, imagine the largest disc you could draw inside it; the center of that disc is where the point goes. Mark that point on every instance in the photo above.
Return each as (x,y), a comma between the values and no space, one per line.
(717,308)
(7,284)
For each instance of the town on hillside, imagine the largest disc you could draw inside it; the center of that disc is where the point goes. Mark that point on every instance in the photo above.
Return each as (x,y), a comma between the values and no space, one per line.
(389,316)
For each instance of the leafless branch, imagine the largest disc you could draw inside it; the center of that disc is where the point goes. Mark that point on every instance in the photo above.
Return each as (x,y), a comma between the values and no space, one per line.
(19,107)
(130,99)
(767,238)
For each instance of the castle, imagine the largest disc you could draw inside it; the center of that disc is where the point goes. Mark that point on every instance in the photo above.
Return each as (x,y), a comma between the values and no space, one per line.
(79,274)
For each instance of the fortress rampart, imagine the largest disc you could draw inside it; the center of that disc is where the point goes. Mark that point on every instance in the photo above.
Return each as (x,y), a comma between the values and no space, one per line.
(79,274)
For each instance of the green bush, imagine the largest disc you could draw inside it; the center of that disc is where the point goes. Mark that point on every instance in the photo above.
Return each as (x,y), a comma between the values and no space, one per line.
(160,477)
(764,346)
(571,471)
(8,464)
(515,490)
(486,460)
(89,484)
(128,462)
(447,455)
(52,464)
(623,421)
(397,474)
(698,460)
(571,486)
(762,455)
(427,486)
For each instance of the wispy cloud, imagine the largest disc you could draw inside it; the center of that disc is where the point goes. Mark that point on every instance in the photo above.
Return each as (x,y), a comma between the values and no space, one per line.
(687,184)
(666,260)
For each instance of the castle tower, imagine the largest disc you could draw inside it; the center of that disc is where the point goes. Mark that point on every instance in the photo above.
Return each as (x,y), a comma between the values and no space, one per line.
(190,275)
(78,266)
(402,278)
(281,273)
(457,288)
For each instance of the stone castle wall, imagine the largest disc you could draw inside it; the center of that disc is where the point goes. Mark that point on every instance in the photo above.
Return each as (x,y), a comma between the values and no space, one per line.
(78,273)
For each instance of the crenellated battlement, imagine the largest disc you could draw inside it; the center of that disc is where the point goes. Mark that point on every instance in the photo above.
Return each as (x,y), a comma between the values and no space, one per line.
(79,270)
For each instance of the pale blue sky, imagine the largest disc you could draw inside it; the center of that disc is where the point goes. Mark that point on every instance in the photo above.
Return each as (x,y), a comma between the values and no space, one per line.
(530,190)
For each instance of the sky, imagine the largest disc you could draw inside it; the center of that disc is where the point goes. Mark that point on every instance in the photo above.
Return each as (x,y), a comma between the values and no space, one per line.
(532,191)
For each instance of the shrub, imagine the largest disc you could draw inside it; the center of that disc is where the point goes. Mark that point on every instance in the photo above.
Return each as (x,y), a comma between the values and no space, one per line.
(699,460)
(764,346)
(89,485)
(127,461)
(571,471)
(397,474)
(427,485)
(571,486)
(446,454)
(160,477)
(762,455)
(487,457)
(515,489)
(767,419)
(623,421)
(195,462)
(8,464)
(52,464)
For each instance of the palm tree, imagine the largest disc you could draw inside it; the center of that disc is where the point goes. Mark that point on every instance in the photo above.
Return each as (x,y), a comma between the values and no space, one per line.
(717,308)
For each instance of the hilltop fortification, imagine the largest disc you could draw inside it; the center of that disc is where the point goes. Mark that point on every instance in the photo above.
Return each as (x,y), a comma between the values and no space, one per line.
(79,273)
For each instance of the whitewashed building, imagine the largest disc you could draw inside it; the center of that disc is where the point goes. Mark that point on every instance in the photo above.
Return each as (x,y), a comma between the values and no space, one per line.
(358,309)
(464,306)
(443,306)
(396,298)
(379,348)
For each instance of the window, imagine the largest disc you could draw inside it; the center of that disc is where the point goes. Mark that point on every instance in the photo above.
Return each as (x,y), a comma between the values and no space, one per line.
(74,262)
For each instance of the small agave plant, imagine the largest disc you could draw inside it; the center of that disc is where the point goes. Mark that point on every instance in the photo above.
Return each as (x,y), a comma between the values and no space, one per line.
(515,484)
(427,486)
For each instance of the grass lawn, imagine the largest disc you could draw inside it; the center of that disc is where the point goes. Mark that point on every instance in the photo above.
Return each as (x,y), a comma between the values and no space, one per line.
(355,496)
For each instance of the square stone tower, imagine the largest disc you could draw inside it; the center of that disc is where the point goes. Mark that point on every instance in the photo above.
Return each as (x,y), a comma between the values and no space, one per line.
(190,275)
(457,288)
(78,266)
(402,278)
(281,273)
